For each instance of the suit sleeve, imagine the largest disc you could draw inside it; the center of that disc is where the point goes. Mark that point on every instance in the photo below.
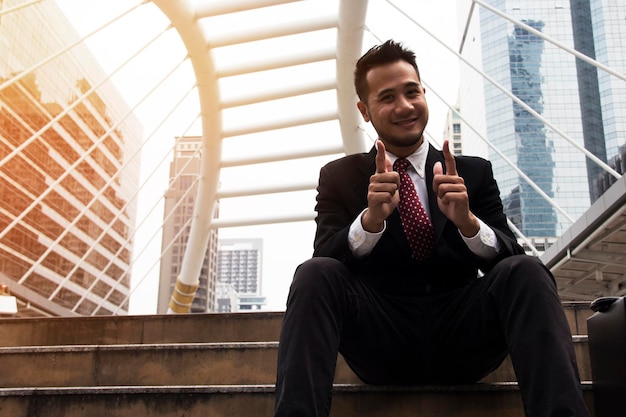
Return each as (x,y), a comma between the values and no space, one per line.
(486,204)
(333,218)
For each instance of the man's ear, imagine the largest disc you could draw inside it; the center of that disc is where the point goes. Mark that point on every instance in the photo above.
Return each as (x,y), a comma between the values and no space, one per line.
(363,109)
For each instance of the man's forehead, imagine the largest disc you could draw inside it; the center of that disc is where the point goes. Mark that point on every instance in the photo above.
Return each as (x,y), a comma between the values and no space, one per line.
(397,86)
(397,73)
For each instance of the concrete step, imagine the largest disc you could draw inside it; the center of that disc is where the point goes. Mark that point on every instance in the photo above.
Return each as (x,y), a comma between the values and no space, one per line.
(217,365)
(183,328)
(176,364)
(349,400)
(174,328)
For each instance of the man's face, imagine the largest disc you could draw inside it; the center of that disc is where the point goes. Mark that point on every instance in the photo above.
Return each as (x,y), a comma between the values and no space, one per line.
(396,107)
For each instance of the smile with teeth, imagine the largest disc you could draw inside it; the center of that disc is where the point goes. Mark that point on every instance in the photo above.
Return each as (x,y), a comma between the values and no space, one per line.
(405,122)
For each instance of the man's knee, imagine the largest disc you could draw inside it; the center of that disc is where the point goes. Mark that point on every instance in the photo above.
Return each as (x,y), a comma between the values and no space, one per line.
(523,271)
(318,274)
(318,285)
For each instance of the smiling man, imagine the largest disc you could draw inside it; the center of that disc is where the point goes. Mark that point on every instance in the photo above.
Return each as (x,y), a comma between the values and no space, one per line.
(402,233)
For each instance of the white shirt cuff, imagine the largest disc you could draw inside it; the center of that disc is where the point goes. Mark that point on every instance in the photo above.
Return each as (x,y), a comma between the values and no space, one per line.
(361,241)
(484,243)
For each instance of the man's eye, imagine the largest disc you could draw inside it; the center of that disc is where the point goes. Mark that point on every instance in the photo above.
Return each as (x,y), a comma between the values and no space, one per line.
(386,98)
(413,93)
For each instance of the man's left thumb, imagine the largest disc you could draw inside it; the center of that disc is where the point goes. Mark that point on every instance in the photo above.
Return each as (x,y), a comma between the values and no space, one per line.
(437,169)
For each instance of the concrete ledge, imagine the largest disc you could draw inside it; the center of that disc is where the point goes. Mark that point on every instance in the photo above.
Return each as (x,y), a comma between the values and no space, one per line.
(175,328)
(260,388)
(350,400)
(171,364)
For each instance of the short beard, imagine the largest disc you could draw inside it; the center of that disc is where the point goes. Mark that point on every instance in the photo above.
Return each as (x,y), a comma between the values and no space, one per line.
(404,143)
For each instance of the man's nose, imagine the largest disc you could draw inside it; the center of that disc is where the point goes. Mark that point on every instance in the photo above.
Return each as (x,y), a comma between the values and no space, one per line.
(403,104)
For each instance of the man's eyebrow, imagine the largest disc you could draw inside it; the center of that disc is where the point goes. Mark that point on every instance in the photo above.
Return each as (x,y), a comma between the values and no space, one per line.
(392,90)
(385,92)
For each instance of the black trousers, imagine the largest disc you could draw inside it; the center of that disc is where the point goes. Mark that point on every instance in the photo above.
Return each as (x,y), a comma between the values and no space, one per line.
(456,337)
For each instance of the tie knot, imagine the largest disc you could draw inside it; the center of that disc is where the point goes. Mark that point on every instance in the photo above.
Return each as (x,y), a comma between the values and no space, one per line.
(401,164)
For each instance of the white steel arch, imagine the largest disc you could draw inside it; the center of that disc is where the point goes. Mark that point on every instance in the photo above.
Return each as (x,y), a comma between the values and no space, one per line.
(185,18)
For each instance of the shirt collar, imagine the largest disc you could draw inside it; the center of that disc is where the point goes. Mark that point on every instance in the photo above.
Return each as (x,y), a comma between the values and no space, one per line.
(417,158)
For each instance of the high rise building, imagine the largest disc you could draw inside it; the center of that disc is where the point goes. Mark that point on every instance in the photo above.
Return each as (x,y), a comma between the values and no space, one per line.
(226,298)
(452,131)
(67,141)
(179,204)
(586,104)
(239,270)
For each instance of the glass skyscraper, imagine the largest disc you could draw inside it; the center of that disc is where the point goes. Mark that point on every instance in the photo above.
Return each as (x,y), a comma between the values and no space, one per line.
(67,139)
(584,103)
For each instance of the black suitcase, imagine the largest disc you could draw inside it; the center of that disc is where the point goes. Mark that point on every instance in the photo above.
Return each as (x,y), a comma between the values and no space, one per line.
(607,352)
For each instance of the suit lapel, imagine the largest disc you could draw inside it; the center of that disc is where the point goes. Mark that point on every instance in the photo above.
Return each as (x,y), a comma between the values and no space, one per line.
(366,169)
(437,217)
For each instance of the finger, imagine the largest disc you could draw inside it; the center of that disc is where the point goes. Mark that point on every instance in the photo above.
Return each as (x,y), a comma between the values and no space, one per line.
(388,164)
(381,157)
(449,158)
(437,169)
(380,198)
(383,187)
(451,189)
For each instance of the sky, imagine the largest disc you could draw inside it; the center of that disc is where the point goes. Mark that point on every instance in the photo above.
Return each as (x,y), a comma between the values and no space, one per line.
(285,245)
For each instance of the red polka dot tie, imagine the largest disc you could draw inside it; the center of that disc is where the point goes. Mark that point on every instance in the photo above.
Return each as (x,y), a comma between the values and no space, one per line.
(415,220)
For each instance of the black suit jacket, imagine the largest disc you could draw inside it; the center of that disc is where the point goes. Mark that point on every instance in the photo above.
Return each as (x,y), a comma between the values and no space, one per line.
(342,196)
